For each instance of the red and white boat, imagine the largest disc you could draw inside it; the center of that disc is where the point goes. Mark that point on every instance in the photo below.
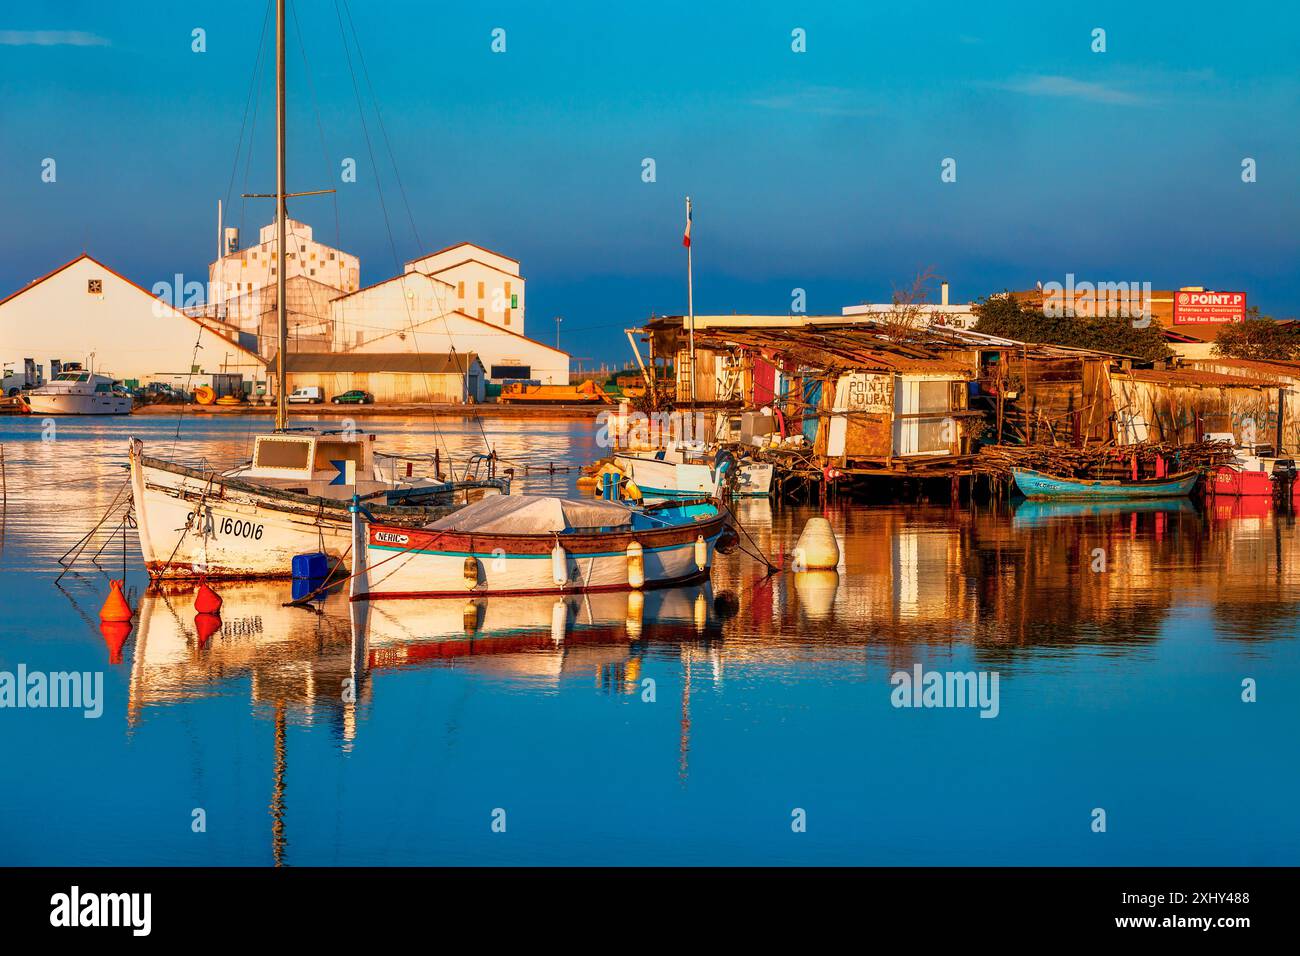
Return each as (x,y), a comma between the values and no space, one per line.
(534,544)
(1252,473)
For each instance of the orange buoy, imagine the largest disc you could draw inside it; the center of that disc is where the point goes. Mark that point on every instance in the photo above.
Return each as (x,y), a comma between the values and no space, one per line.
(205,625)
(115,635)
(207,601)
(115,607)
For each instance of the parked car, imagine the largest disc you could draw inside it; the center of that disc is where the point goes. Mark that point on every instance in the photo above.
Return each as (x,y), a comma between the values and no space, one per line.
(354,397)
(307,395)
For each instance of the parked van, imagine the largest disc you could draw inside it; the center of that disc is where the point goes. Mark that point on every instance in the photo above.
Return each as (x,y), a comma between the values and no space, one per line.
(307,395)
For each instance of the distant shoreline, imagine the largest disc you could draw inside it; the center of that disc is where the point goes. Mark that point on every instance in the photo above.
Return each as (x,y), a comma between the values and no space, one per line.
(412,410)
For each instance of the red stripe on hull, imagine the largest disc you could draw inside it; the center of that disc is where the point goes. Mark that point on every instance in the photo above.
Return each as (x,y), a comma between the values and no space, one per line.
(557,591)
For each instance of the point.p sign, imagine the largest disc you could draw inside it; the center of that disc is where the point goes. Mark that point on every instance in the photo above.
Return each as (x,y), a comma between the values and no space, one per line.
(1197,308)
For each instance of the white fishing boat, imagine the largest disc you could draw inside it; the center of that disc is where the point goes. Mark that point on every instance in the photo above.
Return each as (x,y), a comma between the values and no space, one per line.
(537,544)
(292,497)
(75,391)
(680,471)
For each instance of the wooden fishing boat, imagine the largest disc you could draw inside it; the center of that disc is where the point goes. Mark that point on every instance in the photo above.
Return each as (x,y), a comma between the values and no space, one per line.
(293,498)
(535,544)
(1035,484)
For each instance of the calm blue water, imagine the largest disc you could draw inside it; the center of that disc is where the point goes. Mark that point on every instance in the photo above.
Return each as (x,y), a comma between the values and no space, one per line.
(687,731)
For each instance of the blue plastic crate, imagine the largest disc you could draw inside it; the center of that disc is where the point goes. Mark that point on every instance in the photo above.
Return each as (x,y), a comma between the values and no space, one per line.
(309,566)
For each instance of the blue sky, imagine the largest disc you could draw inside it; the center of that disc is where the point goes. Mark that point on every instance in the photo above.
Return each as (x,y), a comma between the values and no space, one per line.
(817,170)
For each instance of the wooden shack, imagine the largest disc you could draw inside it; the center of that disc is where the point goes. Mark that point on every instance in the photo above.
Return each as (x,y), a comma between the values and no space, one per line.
(1182,405)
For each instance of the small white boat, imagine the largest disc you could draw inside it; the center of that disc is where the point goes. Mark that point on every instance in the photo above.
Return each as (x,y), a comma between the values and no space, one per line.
(535,544)
(679,472)
(78,392)
(293,498)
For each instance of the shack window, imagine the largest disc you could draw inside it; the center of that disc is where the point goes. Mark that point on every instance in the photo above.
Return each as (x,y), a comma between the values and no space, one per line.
(932,396)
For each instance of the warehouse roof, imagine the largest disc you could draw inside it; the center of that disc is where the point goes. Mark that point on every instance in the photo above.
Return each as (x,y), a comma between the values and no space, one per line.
(431,363)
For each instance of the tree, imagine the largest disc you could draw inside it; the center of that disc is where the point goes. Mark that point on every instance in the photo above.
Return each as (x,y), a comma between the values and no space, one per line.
(1260,338)
(1004,315)
(906,318)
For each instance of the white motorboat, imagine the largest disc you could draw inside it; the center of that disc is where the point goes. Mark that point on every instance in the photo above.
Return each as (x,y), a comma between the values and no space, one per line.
(678,471)
(76,391)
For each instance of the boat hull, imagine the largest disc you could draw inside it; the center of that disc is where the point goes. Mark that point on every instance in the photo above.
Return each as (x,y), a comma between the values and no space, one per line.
(1228,482)
(190,527)
(72,403)
(1038,486)
(200,524)
(668,479)
(406,563)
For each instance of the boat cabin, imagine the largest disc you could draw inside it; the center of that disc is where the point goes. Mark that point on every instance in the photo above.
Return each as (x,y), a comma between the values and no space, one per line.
(331,466)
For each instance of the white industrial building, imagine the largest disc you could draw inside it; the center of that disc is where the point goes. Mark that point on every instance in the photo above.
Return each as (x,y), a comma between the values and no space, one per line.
(241,271)
(464,300)
(85,312)
(461,299)
(487,285)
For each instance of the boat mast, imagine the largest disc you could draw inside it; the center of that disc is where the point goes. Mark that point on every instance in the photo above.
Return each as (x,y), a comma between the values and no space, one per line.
(690,301)
(282,328)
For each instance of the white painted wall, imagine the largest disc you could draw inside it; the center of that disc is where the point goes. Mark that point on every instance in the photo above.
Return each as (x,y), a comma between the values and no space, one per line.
(132,334)
(414,312)
(486,285)
(257,266)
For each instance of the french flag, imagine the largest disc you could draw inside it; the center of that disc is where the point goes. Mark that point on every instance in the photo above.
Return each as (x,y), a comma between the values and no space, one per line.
(686,236)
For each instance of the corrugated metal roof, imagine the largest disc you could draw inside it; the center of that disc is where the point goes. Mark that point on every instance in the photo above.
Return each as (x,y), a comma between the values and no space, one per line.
(1193,378)
(402,362)
(1263,366)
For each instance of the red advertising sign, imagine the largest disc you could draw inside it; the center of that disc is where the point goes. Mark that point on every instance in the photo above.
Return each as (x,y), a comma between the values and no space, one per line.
(1196,308)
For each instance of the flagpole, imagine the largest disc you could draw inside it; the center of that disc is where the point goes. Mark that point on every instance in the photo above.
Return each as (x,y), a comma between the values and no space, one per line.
(690,304)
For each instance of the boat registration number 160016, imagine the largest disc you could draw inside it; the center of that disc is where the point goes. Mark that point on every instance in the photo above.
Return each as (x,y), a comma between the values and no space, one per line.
(234,527)
(241,529)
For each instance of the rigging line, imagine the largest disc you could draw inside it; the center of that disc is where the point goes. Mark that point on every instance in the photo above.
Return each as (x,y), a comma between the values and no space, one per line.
(198,342)
(248,101)
(258,72)
(320,126)
(388,225)
(442,304)
(379,119)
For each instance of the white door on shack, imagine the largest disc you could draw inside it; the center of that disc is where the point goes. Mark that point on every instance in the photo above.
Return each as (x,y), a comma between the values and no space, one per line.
(922,423)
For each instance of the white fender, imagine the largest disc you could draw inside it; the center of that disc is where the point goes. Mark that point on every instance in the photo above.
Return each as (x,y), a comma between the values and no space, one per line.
(560,564)
(635,565)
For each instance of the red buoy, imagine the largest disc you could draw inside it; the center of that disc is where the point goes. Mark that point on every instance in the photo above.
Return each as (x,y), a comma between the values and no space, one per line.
(115,635)
(205,625)
(207,601)
(115,607)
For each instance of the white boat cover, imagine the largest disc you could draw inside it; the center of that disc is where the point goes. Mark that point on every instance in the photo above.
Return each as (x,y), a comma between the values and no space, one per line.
(533,514)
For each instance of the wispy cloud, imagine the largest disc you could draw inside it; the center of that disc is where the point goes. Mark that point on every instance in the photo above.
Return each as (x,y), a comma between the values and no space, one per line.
(50,38)
(820,100)
(1065,87)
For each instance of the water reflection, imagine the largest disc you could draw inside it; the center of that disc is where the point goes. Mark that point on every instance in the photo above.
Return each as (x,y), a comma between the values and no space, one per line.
(318,660)
(761,683)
